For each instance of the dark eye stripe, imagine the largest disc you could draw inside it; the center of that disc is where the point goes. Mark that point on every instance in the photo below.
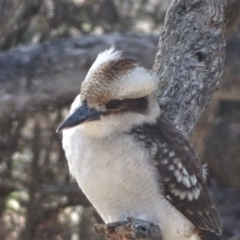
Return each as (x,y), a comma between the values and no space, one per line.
(138,105)
(113,104)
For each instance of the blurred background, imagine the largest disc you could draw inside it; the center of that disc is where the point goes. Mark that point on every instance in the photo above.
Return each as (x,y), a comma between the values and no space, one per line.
(46,49)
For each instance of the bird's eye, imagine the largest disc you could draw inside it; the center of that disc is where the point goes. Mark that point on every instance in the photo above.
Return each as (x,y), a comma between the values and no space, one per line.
(113,104)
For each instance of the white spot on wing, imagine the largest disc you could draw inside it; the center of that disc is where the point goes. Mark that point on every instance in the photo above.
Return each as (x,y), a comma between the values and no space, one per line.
(190,196)
(171,154)
(186,181)
(193,180)
(164,161)
(176,160)
(184,171)
(178,175)
(166,179)
(175,191)
(196,192)
(171,167)
(165,150)
(205,171)
(199,212)
(164,145)
(183,195)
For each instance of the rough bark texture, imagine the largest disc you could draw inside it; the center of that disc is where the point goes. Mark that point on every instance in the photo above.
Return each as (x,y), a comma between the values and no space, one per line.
(129,230)
(190,59)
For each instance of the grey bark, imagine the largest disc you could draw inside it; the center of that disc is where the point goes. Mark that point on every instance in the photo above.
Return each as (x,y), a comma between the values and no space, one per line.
(129,230)
(190,59)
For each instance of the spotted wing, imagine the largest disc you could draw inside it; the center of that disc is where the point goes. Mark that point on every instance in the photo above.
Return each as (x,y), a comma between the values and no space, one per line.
(183,178)
(182,175)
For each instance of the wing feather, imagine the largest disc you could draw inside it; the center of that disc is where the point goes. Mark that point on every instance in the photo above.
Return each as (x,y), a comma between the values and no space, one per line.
(192,199)
(181,174)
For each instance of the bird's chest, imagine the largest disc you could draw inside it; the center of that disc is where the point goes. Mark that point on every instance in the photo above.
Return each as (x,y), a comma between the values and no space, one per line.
(116,176)
(102,169)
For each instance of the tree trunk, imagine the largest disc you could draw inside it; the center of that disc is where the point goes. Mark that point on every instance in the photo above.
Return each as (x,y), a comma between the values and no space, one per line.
(190,59)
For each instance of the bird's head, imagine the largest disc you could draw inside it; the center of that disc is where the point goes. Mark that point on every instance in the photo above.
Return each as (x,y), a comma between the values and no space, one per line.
(116,94)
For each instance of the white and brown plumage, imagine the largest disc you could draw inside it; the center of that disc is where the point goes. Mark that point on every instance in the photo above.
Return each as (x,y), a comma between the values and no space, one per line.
(129,160)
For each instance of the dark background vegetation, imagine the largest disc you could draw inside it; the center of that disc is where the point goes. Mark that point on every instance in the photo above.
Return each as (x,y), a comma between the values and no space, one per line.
(38,197)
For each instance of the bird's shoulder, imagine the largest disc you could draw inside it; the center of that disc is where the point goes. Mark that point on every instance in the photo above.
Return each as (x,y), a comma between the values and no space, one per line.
(180,172)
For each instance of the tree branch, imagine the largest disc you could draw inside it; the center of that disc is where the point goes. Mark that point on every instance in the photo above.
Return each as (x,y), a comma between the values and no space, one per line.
(129,230)
(47,76)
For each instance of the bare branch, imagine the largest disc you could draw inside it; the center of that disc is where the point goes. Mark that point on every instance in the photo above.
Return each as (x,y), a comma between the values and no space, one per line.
(48,76)
(129,230)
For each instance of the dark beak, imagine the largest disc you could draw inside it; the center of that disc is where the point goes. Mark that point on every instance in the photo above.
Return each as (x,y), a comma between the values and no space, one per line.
(80,115)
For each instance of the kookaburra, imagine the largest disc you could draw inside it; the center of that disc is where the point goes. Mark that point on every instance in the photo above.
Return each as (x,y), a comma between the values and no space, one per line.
(129,160)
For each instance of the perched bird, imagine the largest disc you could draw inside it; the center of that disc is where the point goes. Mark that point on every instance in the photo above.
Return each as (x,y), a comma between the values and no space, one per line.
(129,160)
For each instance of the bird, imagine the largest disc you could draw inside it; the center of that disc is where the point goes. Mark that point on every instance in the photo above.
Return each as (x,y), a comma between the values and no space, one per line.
(129,160)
